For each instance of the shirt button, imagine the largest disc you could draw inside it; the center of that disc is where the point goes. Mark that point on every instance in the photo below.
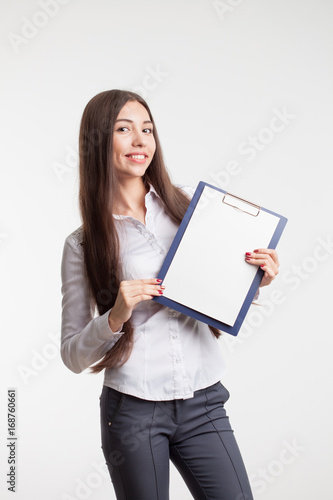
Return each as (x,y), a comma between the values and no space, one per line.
(160,252)
(174,337)
(177,360)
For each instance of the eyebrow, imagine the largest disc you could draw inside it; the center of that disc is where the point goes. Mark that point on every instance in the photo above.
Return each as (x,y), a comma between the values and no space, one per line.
(131,121)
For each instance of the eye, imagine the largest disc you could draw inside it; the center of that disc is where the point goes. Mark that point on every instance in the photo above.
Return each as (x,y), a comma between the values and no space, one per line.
(122,129)
(148,130)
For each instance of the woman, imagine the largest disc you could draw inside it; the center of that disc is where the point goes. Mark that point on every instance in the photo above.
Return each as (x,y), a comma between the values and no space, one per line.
(162,397)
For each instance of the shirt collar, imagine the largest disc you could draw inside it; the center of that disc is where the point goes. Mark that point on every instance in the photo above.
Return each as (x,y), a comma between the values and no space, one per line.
(151,190)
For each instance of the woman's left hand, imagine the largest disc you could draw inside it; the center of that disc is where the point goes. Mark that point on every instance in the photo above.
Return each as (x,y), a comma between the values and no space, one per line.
(268,260)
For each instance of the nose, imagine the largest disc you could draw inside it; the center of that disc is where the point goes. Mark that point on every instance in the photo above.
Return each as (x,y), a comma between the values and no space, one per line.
(139,138)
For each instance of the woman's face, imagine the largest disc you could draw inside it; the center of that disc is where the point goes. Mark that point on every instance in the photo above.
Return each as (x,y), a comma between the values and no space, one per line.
(133,141)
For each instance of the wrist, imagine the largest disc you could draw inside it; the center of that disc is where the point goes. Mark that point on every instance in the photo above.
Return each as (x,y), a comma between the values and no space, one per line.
(114,323)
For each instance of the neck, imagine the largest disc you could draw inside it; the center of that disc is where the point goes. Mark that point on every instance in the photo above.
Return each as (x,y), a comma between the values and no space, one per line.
(129,197)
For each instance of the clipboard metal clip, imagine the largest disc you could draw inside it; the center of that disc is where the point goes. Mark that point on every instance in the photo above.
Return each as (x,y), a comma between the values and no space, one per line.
(239,203)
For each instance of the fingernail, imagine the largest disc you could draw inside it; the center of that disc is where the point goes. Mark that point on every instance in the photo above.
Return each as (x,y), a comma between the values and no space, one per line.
(159,281)
(248,253)
(160,292)
(162,287)
(256,251)
(262,265)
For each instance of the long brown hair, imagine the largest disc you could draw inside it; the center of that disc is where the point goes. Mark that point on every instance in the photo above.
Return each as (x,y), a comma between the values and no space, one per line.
(97,189)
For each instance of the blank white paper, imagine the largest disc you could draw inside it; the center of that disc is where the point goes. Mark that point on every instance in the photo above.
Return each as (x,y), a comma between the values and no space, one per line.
(208,272)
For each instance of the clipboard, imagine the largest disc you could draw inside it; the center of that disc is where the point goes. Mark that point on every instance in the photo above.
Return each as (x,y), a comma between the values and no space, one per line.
(205,273)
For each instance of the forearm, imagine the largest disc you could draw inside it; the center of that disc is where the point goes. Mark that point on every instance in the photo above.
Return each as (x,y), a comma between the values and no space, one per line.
(114,323)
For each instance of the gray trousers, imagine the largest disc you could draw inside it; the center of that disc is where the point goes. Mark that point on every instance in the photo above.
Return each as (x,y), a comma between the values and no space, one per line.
(140,436)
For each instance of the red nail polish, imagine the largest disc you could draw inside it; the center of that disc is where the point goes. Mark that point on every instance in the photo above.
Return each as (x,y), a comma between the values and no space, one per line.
(159,281)
(256,251)
(160,292)
(262,265)
(248,253)
(247,258)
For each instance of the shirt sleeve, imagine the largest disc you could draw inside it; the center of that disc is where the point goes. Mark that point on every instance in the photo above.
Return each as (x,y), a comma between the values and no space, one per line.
(85,339)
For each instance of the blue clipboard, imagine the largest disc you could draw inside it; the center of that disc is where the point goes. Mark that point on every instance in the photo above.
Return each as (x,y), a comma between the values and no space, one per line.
(215,214)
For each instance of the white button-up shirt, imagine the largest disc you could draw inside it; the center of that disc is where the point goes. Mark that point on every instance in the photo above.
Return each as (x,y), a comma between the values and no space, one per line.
(173,355)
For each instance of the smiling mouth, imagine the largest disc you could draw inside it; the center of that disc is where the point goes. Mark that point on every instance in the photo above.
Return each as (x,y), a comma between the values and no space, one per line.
(137,157)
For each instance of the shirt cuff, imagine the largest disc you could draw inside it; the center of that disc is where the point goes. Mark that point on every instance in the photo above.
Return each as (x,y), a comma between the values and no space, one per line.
(103,329)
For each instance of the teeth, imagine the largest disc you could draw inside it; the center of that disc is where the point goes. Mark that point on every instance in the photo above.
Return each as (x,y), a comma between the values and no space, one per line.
(137,157)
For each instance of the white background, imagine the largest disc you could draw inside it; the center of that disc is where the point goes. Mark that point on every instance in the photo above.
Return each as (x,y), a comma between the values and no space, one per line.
(221,74)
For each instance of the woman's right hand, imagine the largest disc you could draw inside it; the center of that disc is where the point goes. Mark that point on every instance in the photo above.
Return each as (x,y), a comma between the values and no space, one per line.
(130,294)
